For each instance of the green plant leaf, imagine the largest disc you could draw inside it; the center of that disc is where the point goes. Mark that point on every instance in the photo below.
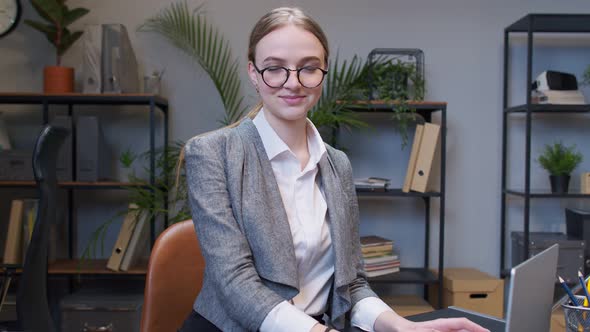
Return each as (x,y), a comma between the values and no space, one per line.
(344,85)
(150,199)
(194,35)
(67,40)
(558,159)
(73,15)
(51,10)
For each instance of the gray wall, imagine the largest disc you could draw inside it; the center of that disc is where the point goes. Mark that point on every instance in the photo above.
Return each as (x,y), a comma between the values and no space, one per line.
(462,41)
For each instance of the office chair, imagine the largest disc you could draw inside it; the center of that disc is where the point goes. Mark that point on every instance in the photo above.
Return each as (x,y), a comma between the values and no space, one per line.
(174,278)
(32,306)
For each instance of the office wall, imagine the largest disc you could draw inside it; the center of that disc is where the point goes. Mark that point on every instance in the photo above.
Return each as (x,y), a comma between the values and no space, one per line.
(462,41)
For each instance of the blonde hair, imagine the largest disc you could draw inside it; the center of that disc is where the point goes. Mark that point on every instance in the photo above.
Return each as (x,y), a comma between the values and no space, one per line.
(271,21)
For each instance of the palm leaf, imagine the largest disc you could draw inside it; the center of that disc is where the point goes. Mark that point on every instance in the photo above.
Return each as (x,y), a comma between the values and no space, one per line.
(192,33)
(340,91)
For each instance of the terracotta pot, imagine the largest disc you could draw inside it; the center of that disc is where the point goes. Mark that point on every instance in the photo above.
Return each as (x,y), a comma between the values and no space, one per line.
(57,79)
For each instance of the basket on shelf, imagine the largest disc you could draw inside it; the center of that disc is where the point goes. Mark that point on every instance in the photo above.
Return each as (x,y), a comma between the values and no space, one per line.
(577,318)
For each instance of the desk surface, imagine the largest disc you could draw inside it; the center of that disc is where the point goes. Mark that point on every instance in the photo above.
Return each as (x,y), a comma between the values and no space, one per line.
(493,325)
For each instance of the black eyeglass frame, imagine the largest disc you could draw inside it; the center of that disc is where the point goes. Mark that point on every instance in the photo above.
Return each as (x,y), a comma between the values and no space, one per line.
(298,70)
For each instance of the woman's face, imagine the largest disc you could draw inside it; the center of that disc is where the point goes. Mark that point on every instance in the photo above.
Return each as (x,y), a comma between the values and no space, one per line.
(291,47)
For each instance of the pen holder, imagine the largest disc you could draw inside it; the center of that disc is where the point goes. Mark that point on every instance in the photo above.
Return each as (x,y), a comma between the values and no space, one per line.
(577,318)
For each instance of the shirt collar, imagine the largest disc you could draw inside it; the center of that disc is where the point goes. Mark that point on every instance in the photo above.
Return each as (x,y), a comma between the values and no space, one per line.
(274,145)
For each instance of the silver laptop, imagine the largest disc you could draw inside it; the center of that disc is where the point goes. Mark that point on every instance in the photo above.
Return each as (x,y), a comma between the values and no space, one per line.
(530,295)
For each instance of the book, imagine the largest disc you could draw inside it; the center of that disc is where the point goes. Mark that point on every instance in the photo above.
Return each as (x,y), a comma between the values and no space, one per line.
(371,184)
(377,273)
(64,156)
(4,139)
(585,183)
(127,227)
(374,241)
(380,259)
(13,243)
(425,159)
(564,97)
(92,57)
(413,158)
(382,266)
(29,218)
(137,244)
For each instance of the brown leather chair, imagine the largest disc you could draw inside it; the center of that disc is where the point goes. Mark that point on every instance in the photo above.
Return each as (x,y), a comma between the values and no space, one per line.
(174,278)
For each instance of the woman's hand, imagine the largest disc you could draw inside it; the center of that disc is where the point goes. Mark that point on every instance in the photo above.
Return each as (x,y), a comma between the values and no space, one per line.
(320,328)
(392,322)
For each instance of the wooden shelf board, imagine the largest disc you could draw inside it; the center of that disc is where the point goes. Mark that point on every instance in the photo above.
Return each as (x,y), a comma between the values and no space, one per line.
(549,108)
(394,192)
(407,276)
(97,266)
(540,193)
(84,99)
(71,184)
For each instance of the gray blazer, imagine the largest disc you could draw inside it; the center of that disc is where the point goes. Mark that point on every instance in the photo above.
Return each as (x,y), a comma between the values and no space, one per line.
(244,233)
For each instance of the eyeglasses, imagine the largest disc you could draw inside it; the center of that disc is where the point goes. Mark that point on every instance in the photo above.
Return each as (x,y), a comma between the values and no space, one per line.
(277,76)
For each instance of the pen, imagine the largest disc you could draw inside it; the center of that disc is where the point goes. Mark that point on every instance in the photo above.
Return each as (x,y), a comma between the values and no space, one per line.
(587,296)
(568,291)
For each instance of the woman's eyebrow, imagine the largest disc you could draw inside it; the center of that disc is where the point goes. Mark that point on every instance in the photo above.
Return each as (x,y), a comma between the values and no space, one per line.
(310,59)
(283,61)
(273,59)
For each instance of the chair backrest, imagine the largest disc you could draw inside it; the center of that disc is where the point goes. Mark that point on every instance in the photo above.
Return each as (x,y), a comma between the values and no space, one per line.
(32,304)
(174,278)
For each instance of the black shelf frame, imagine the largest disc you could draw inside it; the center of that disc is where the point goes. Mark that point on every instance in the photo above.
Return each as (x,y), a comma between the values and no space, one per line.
(417,275)
(70,99)
(529,25)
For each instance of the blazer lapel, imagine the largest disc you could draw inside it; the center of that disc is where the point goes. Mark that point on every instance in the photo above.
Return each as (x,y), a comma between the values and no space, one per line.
(279,238)
(337,202)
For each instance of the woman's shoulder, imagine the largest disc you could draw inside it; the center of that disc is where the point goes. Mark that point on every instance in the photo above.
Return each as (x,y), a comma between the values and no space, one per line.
(213,140)
(337,156)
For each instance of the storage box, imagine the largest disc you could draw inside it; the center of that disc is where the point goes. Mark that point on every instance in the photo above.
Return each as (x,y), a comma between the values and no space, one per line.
(557,321)
(8,310)
(571,251)
(470,289)
(93,311)
(407,305)
(578,226)
(16,165)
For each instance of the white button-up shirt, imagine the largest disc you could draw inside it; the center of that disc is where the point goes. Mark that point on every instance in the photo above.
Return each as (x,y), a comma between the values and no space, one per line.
(306,208)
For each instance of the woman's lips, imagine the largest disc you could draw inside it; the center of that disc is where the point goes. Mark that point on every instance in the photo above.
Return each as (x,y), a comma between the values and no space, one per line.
(292,100)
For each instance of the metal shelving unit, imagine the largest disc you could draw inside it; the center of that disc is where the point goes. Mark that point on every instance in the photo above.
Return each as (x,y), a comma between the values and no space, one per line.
(153,102)
(423,274)
(529,25)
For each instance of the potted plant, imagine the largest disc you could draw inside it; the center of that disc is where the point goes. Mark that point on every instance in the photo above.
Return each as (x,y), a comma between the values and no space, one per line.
(57,17)
(395,82)
(559,161)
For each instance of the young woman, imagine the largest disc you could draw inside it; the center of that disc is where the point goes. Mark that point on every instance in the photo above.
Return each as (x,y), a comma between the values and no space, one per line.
(275,209)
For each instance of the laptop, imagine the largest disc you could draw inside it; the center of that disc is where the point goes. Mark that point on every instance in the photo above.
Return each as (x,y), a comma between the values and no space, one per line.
(530,298)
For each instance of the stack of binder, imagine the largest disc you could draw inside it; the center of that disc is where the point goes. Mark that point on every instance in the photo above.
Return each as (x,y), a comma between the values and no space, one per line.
(378,256)
(419,172)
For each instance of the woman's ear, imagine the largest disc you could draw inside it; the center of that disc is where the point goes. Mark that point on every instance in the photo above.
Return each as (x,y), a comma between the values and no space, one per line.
(252,74)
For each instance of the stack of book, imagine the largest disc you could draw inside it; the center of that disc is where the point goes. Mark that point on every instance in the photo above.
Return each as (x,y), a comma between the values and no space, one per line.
(371,184)
(378,256)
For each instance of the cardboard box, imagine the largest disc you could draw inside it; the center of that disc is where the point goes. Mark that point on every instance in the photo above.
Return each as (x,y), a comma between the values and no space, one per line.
(471,289)
(557,321)
(407,305)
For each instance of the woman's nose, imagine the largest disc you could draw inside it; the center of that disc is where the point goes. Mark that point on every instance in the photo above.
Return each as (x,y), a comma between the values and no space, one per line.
(292,81)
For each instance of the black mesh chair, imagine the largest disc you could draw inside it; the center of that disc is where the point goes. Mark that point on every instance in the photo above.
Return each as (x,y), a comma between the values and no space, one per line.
(32,305)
